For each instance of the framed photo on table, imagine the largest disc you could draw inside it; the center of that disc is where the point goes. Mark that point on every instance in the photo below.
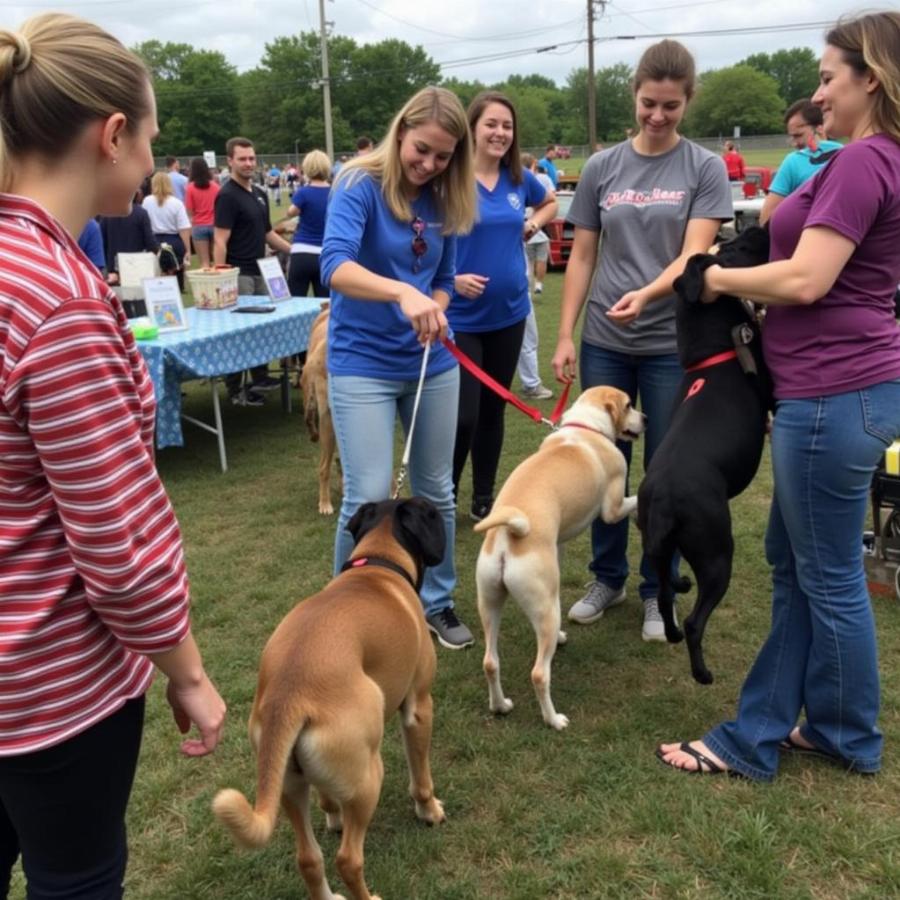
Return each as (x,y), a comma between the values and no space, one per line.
(164,306)
(274,278)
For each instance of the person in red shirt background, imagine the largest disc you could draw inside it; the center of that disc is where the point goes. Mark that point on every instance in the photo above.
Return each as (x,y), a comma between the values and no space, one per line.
(93,587)
(734,162)
(200,201)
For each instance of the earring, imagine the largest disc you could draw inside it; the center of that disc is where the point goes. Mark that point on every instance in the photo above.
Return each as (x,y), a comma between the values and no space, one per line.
(115,160)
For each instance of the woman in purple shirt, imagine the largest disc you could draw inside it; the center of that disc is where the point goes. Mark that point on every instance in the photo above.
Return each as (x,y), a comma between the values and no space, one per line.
(833,346)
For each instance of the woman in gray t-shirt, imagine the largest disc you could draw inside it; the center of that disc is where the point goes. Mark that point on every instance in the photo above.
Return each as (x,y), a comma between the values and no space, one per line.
(650,202)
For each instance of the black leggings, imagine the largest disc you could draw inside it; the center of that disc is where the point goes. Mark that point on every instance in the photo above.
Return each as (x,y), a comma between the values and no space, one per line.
(479,428)
(63,809)
(303,271)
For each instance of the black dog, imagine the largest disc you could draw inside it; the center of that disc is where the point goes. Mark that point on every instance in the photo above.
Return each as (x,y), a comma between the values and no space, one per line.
(714,443)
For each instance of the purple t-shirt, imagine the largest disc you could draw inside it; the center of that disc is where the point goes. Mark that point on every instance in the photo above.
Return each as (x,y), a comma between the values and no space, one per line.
(849,338)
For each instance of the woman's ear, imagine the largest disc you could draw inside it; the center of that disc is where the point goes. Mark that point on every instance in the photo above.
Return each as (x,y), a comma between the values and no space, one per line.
(111,132)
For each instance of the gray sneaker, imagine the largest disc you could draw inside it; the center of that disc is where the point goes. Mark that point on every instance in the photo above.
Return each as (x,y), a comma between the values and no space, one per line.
(599,598)
(539,392)
(653,628)
(450,632)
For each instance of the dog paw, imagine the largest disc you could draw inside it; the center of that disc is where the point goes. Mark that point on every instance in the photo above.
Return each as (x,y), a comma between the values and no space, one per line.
(503,707)
(562,638)
(326,509)
(675,636)
(558,721)
(432,812)
(703,676)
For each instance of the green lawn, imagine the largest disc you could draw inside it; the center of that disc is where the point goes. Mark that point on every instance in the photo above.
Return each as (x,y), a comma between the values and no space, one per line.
(533,814)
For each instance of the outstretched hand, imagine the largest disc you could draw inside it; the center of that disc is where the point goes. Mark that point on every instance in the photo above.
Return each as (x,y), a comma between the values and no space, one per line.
(628,308)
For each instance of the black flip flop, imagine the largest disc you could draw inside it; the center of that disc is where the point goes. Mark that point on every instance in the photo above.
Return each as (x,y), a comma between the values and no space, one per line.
(712,768)
(789,745)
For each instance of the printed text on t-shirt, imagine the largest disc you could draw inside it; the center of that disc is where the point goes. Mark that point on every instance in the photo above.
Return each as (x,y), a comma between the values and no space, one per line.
(654,197)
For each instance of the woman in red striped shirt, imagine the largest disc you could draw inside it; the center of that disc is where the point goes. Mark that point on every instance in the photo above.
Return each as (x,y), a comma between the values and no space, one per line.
(93,588)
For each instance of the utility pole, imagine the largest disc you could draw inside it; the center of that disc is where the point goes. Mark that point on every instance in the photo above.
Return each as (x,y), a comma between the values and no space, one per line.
(591,81)
(592,78)
(326,81)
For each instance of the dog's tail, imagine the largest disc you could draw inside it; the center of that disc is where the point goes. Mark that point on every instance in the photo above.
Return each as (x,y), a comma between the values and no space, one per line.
(514,519)
(252,826)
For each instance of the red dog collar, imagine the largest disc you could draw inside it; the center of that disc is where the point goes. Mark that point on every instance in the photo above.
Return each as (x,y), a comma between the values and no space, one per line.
(713,360)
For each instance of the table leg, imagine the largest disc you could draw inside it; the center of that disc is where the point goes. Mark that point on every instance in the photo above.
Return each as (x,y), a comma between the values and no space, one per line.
(217,414)
(285,384)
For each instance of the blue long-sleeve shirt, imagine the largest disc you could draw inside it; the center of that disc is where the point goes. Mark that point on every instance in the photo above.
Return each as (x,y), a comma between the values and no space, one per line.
(374,339)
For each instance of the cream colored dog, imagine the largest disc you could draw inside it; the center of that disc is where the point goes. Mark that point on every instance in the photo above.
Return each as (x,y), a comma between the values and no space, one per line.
(577,474)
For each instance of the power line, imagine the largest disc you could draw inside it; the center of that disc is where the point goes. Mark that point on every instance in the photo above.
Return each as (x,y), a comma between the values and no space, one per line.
(511,54)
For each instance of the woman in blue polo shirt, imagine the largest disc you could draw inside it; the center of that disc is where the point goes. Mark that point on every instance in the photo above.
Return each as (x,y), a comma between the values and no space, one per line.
(389,254)
(490,301)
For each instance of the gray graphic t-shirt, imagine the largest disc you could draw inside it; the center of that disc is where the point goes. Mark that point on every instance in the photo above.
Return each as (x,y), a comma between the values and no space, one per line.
(641,205)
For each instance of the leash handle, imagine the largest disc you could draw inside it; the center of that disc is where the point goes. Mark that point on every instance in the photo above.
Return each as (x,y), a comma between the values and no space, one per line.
(404,462)
(531,411)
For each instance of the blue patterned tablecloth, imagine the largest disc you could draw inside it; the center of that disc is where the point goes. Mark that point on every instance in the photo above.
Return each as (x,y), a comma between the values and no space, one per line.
(219,341)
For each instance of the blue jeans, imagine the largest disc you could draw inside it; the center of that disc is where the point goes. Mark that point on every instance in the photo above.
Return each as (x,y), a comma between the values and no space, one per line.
(820,653)
(655,380)
(364,411)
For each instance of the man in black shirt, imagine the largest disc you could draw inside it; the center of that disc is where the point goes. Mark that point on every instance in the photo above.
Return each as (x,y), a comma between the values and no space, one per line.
(242,230)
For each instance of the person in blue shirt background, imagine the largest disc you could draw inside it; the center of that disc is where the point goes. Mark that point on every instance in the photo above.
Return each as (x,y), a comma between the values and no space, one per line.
(803,122)
(91,241)
(490,302)
(310,203)
(549,166)
(389,258)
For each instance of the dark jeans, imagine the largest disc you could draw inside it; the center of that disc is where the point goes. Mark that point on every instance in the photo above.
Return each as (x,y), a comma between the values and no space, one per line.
(303,271)
(63,809)
(479,427)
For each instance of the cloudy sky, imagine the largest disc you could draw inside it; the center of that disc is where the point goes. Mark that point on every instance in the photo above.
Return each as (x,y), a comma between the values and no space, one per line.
(471,39)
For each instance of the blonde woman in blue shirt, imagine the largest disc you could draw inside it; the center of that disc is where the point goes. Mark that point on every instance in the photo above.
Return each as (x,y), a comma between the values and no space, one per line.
(389,256)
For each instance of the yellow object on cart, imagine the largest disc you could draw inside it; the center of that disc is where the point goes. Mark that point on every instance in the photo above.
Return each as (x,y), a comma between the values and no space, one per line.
(892,459)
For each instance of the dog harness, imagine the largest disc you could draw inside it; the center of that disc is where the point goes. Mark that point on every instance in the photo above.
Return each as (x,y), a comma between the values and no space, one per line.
(362,561)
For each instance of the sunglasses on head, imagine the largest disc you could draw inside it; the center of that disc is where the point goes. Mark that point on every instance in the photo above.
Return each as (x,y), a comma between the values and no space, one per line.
(419,245)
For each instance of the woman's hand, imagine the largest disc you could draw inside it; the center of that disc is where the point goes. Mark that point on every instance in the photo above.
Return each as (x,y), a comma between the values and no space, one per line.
(530,230)
(628,308)
(198,704)
(565,361)
(470,285)
(424,314)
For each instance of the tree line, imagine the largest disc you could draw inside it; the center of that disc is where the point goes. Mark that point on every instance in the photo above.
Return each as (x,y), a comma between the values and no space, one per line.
(203,100)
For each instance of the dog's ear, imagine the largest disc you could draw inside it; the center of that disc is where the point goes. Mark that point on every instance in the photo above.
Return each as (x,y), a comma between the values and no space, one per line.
(363,520)
(422,528)
(689,284)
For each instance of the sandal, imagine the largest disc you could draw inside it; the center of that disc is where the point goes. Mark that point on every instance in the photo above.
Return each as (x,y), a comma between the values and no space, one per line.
(789,745)
(705,766)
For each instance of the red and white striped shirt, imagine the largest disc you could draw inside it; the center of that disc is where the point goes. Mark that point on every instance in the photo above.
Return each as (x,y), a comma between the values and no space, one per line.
(92,572)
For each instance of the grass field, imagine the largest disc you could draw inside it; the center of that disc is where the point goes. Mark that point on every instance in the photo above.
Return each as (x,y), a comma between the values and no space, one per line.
(533,814)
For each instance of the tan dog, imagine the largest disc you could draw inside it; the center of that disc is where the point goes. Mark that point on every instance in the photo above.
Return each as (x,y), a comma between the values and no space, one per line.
(336,667)
(314,384)
(577,474)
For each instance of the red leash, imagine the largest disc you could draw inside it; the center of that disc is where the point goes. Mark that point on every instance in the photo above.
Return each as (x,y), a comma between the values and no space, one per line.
(530,411)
